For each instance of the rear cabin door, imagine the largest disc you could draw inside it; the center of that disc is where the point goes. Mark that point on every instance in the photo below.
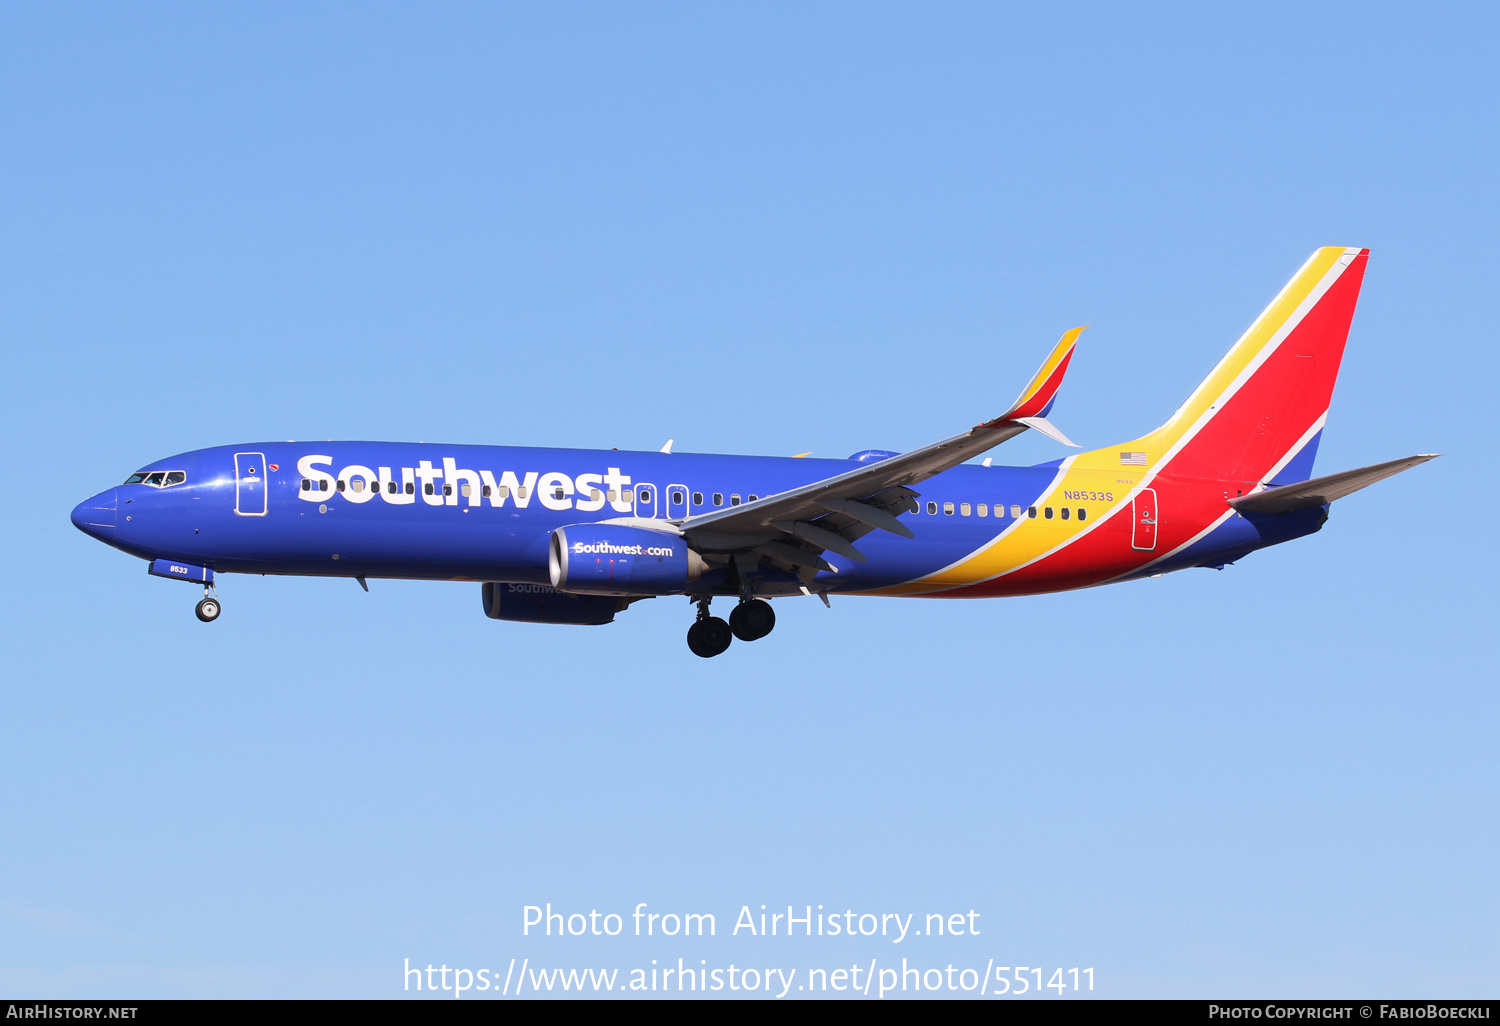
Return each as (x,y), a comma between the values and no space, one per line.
(645,500)
(1143,520)
(250,484)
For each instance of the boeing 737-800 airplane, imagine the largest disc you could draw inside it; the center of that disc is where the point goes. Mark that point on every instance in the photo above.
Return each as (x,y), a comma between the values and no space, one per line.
(573,536)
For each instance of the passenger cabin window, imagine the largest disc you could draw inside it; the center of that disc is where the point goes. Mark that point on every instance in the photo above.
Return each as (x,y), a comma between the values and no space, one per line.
(323,485)
(411,488)
(557,493)
(1031,512)
(522,492)
(307,485)
(358,484)
(734,500)
(754,497)
(1048,512)
(427,488)
(595,495)
(339,484)
(964,509)
(614,495)
(485,491)
(948,508)
(644,494)
(982,510)
(718,498)
(932,509)
(697,498)
(466,490)
(1083,514)
(676,498)
(1015,511)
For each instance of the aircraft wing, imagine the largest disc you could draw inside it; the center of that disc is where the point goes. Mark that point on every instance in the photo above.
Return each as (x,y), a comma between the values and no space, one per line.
(796,526)
(1322,490)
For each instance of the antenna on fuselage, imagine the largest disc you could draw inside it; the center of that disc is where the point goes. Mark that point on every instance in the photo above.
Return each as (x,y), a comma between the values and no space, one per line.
(668,447)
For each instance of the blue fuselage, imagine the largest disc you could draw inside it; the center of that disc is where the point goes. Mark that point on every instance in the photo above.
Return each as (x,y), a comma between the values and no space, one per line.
(487,513)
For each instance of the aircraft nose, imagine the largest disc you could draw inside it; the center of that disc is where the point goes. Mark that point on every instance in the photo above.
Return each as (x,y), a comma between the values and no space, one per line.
(96,516)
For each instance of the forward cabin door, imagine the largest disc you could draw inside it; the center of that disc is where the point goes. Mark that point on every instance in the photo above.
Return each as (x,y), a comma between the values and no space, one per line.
(1143,520)
(250,484)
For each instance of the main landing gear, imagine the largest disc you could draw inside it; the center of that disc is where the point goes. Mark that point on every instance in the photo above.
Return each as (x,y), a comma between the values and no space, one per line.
(752,619)
(709,636)
(208,607)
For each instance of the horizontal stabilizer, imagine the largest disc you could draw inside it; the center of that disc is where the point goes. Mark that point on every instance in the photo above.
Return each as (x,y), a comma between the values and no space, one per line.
(1322,490)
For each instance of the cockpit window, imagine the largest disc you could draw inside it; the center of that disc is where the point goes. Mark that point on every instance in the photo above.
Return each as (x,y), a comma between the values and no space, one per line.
(157,478)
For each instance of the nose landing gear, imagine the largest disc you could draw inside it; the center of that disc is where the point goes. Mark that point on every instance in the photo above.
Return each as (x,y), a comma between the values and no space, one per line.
(208,607)
(709,635)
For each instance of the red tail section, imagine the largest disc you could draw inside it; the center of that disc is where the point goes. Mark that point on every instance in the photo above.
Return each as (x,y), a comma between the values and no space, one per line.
(1264,406)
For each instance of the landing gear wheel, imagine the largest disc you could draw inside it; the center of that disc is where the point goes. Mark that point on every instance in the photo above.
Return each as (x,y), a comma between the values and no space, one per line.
(208,610)
(752,620)
(709,637)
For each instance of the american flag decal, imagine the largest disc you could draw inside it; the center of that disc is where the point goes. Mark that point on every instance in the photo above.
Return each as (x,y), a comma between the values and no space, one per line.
(1132,459)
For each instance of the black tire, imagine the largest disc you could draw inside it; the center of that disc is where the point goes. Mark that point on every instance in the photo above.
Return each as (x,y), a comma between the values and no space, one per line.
(208,610)
(709,637)
(695,642)
(752,620)
(716,635)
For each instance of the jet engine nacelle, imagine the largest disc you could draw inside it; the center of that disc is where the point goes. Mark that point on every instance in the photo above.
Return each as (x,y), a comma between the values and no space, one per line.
(537,603)
(613,559)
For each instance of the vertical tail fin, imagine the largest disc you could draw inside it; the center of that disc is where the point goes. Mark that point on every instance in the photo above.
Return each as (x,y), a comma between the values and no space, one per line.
(1258,416)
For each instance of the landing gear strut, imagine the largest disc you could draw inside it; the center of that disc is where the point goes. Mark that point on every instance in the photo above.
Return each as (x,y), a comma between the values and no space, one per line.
(208,607)
(709,635)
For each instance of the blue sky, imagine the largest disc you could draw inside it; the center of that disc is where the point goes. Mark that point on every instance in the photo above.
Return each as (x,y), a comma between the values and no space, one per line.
(764,229)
